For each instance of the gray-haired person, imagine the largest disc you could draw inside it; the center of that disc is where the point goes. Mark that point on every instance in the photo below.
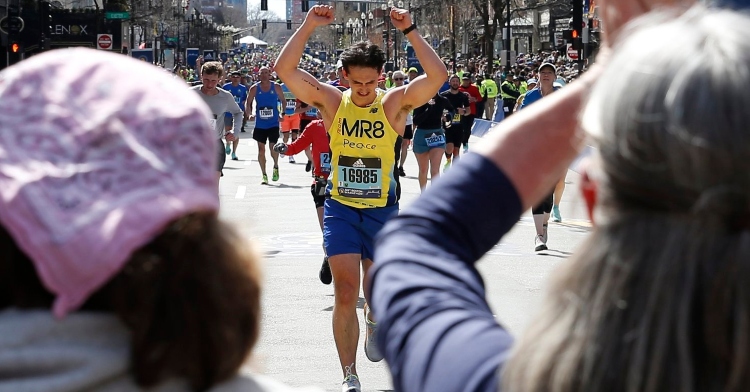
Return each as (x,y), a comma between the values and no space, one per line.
(657,298)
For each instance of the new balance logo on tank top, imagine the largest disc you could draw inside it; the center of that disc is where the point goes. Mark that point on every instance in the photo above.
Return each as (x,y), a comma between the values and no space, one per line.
(363,146)
(266,107)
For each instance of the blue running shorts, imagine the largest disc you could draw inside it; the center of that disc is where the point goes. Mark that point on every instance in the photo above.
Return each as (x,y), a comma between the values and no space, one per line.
(352,230)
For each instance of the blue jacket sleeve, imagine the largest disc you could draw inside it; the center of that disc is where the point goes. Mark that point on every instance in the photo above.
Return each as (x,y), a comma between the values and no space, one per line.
(435,327)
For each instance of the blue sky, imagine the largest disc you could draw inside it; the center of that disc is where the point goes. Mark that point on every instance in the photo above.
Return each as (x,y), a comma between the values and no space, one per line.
(276,6)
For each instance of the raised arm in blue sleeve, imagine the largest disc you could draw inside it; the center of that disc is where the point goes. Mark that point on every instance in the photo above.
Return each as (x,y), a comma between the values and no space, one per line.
(435,327)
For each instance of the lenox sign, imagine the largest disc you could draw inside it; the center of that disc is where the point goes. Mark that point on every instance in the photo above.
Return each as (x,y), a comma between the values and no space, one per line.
(69,30)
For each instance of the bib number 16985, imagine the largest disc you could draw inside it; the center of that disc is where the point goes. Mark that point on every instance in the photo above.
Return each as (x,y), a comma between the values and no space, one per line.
(361,176)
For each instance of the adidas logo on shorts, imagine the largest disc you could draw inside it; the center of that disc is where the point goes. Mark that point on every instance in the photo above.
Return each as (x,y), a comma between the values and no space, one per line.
(358,163)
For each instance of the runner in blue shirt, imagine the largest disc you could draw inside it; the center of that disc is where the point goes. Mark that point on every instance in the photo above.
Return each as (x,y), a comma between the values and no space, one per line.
(239,92)
(266,96)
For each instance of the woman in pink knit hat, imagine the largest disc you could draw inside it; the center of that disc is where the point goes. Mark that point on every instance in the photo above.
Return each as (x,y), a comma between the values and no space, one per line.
(116,273)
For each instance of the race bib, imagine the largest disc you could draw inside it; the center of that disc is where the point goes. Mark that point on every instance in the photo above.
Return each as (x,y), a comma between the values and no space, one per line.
(212,121)
(457,118)
(435,140)
(266,113)
(325,162)
(291,104)
(360,177)
(238,100)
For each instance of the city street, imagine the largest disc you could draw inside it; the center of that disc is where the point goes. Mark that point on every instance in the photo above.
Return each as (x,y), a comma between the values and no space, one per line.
(296,344)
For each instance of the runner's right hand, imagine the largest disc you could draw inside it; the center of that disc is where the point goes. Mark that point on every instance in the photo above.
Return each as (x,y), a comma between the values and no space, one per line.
(320,15)
(280,147)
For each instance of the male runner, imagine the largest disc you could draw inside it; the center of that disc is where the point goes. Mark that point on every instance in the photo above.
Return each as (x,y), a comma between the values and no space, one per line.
(290,123)
(472,91)
(307,114)
(363,124)
(239,92)
(315,135)
(219,102)
(266,96)
(454,132)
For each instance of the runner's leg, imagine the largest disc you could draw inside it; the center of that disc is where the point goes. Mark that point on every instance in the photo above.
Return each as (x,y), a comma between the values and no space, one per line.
(345,270)
(423,161)
(262,157)
(435,156)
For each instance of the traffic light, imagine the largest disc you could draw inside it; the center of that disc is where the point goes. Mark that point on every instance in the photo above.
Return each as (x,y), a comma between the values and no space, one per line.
(15,52)
(264,5)
(577,24)
(305,6)
(263,25)
(288,24)
(577,17)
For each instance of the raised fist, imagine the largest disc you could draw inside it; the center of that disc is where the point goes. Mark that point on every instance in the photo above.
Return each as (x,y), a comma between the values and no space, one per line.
(320,15)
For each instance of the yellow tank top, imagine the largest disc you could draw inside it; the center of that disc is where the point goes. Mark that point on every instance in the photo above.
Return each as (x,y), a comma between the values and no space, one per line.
(363,155)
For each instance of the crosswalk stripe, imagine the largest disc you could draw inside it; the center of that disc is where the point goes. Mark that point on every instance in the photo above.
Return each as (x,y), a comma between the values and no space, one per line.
(240,192)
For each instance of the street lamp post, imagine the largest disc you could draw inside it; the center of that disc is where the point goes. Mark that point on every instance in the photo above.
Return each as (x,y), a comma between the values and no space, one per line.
(395,42)
(339,33)
(387,37)
(507,37)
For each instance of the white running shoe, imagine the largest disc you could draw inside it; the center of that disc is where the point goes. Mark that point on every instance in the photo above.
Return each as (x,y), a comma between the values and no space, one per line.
(351,382)
(371,347)
(539,244)
(291,159)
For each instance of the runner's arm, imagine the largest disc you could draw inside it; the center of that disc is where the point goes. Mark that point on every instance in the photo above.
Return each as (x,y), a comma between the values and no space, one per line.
(305,139)
(448,106)
(250,99)
(424,87)
(308,89)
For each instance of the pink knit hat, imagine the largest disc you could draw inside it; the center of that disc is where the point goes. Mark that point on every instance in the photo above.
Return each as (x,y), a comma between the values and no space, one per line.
(98,152)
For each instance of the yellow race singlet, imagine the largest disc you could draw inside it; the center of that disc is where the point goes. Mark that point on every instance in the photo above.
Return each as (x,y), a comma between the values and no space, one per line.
(363,155)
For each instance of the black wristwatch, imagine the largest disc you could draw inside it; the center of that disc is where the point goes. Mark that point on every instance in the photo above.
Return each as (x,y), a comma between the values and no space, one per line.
(410,29)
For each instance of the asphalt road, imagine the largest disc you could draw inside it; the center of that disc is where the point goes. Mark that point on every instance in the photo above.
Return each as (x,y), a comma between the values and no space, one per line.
(296,344)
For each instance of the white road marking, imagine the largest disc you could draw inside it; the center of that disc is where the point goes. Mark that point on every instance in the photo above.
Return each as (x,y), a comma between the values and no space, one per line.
(240,192)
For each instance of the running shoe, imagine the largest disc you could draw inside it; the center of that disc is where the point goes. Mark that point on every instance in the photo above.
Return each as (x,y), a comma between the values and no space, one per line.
(351,381)
(556,214)
(447,165)
(275,176)
(308,166)
(371,347)
(228,149)
(539,244)
(325,272)
(291,159)
(234,157)
(466,148)
(401,172)
(544,236)
(265,180)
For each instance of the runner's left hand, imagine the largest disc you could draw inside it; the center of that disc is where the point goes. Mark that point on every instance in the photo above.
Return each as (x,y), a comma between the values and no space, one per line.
(400,18)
